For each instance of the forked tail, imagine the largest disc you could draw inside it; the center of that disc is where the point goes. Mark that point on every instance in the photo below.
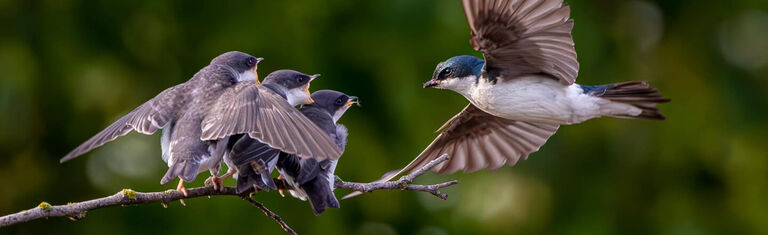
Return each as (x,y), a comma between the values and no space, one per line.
(636,93)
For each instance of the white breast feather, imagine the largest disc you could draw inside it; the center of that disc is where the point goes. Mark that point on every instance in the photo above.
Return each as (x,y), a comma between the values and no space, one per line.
(532,99)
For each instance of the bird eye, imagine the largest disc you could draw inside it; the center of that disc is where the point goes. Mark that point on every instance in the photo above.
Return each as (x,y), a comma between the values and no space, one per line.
(301,79)
(250,62)
(340,101)
(444,74)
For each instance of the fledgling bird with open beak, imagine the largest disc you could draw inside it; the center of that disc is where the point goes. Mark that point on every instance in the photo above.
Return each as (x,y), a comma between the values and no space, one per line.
(523,90)
(179,111)
(310,179)
(248,115)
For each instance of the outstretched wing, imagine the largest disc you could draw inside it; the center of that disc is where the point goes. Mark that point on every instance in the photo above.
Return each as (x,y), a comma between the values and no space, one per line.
(266,116)
(146,119)
(524,36)
(477,140)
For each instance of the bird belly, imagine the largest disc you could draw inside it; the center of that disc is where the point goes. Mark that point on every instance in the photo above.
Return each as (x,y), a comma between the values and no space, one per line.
(165,142)
(331,177)
(209,163)
(531,98)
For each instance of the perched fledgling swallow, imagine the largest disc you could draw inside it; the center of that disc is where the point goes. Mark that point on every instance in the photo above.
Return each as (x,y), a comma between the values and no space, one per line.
(311,179)
(250,113)
(179,111)
(523,90)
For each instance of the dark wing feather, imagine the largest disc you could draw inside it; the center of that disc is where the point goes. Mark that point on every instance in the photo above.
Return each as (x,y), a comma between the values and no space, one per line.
(267,117)
(146,119)
(476,140)
(524,36)
(247,150)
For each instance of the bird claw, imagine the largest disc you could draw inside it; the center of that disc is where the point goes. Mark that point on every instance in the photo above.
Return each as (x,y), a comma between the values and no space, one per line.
(282,180)
(183,190)
(216,182)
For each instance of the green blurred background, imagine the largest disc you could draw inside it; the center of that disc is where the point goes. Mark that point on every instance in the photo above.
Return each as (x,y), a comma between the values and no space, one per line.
(69,68)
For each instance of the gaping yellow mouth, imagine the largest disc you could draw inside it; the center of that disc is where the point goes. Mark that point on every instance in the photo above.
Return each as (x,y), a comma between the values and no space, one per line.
(256,72)
(352,100)
(309,95)
(306,88)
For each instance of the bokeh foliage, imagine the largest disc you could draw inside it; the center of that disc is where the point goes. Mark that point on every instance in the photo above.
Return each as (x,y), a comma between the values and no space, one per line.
(68,68)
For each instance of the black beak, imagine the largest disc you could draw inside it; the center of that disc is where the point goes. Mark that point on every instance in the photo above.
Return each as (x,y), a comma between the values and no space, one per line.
(430,83)
(259,60)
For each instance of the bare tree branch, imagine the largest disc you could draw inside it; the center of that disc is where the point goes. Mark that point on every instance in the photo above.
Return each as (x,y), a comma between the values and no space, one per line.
(404,183)
(78,210)
(269,213)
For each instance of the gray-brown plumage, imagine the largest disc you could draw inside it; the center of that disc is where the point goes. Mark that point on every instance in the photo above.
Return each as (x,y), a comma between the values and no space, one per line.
(179,111)
(266,113)
(478,140)
(310,178)
(524,36)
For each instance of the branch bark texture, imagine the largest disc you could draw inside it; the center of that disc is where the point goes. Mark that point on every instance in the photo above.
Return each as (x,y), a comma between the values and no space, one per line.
(77,211)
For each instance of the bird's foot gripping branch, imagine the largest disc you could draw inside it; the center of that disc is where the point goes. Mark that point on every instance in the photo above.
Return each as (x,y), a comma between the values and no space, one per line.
(78,210)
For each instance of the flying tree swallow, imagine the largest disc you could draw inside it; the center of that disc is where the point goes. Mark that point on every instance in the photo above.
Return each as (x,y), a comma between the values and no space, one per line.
(523,90)
(267,115)
(311,179)
(179,111)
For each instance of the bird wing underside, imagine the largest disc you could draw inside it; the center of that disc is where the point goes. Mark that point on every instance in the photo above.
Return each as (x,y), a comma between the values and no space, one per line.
(146,119)
(524,37)
(477,140)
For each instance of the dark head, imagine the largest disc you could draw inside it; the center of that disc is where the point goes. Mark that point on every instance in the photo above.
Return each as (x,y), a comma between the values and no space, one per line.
(455,72)
(294,83)
(333,102)
(244,64)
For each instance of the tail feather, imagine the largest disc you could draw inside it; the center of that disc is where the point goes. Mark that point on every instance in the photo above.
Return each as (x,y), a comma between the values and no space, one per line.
(186,170)
(320,195)
(636,93)
(249,179)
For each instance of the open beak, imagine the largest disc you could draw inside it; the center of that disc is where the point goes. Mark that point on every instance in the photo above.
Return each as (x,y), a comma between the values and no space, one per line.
(309,95)
(255,70)
(352,101)
(431,83)
(306,88)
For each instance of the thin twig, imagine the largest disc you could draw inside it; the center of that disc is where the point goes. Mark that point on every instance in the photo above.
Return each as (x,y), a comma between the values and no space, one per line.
(404,183)
(269,213)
